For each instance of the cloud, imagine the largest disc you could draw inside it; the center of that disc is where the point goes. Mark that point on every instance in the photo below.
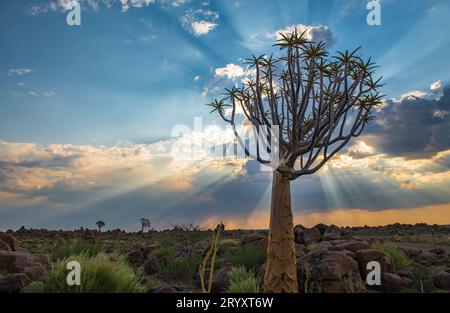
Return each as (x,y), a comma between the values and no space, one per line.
(436,85)
(126,4)
(320,33)
(231,71)
(200,22)
(235,73)
(417,124)
(19,71)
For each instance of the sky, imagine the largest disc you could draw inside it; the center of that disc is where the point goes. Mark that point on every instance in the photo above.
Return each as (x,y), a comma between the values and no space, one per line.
(89,113)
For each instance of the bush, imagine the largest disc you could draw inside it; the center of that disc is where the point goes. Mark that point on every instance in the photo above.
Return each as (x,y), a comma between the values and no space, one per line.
(226,245)
(179,269)
(99,274)
(242,281)
(250,256)
(422,280)
(401,260)
(77,247)
(164,251)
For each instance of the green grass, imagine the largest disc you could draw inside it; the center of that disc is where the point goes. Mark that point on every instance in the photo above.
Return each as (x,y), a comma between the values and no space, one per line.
(99,274)
(422,280)
(227,245)
(77,247)
(242,280)
(401,260)
(250,256)
(165,251)
(179,269)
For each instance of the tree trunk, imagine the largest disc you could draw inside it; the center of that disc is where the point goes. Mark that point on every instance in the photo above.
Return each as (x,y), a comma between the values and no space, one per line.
(281,266)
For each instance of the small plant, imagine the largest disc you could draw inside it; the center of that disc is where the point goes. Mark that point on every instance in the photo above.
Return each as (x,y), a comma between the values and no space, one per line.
(99,274)
(351,284)
(401,260)
(100,224)
(242,281)
(422,280)
(250,256)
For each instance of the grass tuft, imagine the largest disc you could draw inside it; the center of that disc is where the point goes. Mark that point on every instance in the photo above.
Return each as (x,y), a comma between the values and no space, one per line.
(401,260)
(242,280)
(99,274)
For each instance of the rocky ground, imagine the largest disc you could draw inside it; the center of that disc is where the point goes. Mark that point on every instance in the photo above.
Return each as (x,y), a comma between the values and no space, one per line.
(413,258)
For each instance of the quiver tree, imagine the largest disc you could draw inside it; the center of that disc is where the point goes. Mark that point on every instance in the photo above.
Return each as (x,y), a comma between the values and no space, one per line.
(318,103)
(145,223)
(99,225)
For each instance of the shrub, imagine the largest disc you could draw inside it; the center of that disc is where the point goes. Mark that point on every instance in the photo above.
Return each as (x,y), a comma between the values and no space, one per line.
(422,280)
(179,269)
(401,260)
(77,247)
(164,251)
(242,281)
(99,274)
(250,256)
(226,245)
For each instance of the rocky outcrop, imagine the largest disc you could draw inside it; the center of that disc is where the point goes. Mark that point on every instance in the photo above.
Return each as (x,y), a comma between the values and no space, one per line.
(21,266)
(12,242)
(328,271)
(307,235)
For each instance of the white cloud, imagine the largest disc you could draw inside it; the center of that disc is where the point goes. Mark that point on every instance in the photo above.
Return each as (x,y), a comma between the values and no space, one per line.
(312,33)
(19,71)
(134,3)
(436,85)
(197,78)
(200,22)
(231,71)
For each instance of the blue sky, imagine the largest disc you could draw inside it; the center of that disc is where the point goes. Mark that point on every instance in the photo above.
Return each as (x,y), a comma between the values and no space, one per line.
(134,69)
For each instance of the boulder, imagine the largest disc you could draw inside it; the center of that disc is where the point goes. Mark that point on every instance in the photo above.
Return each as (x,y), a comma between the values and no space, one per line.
(391,282)
(4,246)
(332,233)
(26,265)
(13,283)
(330,270)
(410,251)
(405,273)
(135,256)
(442,280)
(298,233)
(307,236)
(367,255)
(352,245)
(321,227)
(151,266)
(12,242)
(437,251)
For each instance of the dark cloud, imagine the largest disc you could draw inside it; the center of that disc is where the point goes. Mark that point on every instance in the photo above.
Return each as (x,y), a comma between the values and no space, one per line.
(412,126)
